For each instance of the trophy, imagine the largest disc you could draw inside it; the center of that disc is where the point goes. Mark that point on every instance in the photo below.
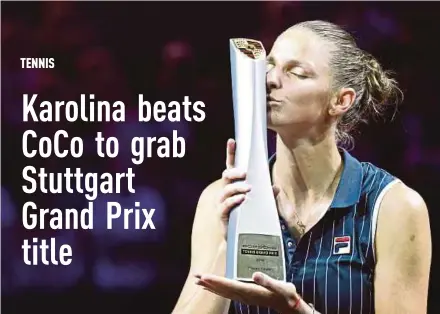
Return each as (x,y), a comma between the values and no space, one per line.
(254,240)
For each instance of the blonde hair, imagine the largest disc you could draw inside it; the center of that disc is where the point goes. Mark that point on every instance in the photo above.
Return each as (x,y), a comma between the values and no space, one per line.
(356,68)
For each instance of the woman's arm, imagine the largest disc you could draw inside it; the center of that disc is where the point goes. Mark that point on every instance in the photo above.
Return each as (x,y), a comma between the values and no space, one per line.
(403,253)
(208,255)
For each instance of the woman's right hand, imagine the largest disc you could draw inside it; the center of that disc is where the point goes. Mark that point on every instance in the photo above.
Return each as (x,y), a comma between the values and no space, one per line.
(234,186)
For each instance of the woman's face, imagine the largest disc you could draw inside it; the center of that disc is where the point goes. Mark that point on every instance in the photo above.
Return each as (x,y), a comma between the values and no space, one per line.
(298,83)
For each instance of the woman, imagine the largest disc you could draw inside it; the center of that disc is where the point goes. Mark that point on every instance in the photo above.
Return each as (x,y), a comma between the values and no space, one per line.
(357,238)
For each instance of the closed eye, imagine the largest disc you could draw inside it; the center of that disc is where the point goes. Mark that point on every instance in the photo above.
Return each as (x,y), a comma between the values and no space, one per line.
(300,76)
(297,70)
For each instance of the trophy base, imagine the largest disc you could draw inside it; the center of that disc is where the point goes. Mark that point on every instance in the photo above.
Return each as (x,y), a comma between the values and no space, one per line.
(259,253)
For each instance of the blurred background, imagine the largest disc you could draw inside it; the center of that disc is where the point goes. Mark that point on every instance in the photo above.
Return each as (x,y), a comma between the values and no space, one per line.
(167,51)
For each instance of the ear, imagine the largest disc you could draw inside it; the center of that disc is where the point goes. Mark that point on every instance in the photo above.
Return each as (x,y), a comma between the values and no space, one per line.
(342,102)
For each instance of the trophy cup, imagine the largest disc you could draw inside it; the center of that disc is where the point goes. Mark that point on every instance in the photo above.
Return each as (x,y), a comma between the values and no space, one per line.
(254,240)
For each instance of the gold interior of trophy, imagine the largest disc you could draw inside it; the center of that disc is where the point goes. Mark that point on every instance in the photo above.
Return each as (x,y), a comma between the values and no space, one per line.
(250,47)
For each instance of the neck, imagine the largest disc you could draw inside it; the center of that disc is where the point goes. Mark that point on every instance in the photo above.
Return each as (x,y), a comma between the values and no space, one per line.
(305,170)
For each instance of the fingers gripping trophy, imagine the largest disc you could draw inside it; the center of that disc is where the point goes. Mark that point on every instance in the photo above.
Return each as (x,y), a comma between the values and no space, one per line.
(254,238)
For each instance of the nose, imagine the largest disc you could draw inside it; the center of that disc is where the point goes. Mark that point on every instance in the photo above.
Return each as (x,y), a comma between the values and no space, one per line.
(272,79)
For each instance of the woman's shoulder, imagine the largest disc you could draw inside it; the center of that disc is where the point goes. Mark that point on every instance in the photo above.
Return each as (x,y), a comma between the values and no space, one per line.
(376,178)
(404,200)
(391,198)
(382,188)
(371,168)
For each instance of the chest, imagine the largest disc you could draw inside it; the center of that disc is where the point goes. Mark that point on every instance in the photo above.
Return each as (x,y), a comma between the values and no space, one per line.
(332,265)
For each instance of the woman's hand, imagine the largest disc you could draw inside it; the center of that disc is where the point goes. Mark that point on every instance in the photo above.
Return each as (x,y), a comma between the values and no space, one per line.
(235,187)
(266,292)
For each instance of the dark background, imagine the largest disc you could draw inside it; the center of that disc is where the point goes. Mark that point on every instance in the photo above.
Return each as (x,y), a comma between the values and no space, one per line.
(167,51)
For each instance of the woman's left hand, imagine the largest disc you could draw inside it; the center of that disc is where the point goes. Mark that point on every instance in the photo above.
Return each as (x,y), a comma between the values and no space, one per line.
(266,291)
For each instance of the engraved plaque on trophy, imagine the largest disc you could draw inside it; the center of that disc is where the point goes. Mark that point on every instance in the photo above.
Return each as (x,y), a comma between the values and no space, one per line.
(254,234)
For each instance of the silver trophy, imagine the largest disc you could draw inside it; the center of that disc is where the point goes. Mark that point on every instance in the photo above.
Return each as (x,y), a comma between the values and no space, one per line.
(254,234)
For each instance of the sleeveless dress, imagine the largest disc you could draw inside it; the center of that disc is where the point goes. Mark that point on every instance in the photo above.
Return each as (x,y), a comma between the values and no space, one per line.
(332,266)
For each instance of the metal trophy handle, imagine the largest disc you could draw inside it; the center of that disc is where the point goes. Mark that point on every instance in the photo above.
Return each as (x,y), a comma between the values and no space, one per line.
(254,234)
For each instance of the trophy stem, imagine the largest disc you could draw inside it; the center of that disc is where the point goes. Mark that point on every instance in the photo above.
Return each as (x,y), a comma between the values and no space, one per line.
(254,232)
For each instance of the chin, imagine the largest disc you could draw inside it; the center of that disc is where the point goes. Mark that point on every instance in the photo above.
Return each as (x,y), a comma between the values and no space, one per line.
(283,125)
(275,119)
(275,124)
